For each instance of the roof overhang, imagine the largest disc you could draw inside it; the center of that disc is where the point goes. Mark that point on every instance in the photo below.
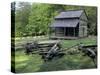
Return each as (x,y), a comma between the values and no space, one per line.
(65,23)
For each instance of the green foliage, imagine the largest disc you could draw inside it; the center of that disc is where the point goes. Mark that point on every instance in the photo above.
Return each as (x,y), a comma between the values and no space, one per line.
(40,18)
(21,18)
(34,19)
(92,17)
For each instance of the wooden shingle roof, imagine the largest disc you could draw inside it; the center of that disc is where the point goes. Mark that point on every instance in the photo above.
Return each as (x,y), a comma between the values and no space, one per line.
(70,14)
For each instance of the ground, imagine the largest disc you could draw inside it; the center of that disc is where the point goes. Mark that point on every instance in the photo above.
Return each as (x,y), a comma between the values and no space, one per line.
(34,63)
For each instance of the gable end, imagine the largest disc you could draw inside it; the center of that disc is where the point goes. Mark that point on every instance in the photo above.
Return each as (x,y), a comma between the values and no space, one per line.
(83,16)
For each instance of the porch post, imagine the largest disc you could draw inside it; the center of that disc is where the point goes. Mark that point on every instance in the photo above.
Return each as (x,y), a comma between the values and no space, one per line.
(74,32)
(68,31)
(64,31)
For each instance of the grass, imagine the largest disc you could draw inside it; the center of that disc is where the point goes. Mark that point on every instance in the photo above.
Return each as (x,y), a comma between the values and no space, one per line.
(85,41)
(34,63)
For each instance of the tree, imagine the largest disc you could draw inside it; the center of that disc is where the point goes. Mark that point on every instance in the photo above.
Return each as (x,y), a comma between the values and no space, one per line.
(21,18)
(41,17)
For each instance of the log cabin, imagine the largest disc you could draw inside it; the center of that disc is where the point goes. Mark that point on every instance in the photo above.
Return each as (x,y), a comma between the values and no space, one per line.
(71,24)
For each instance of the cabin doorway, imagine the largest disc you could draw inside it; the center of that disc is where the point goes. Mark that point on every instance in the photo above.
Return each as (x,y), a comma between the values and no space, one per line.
(69,31)
(72,31)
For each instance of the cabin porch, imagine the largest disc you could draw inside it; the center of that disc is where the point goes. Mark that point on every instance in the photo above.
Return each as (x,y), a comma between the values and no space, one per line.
(64,32)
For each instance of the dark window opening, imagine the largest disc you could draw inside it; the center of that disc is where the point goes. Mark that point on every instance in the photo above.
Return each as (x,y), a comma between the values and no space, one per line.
(72,31)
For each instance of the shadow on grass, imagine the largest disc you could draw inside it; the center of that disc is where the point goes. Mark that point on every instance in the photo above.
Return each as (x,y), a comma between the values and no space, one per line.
(72,62)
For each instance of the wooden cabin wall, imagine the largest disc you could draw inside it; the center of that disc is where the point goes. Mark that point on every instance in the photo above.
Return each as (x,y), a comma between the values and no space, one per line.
(83,25)
(59,31)
(82,29)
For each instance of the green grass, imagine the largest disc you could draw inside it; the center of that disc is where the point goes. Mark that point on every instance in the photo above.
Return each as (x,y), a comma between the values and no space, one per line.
(24,63)
(85,41)
(34,63)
